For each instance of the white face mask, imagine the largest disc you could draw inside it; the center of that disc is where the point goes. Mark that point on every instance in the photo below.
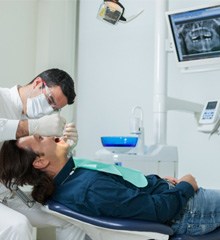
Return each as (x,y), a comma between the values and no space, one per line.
(38,106)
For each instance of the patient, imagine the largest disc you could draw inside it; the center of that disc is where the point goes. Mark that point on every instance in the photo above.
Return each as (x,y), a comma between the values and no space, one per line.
(43,163)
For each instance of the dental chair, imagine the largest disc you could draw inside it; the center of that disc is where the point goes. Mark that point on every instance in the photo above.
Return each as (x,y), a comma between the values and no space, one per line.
(102,228)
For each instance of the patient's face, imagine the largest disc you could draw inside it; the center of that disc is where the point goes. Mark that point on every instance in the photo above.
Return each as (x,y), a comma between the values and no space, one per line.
(47,146)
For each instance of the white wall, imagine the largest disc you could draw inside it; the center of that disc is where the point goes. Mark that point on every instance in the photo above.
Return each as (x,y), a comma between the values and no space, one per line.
(17,43)
(115,73)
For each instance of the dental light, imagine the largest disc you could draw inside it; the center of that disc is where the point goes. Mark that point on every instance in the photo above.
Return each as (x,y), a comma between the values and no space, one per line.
(112,11)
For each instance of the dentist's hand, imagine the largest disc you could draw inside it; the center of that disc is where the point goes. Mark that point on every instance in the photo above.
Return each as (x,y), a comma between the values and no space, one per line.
(50,125)
(70,134)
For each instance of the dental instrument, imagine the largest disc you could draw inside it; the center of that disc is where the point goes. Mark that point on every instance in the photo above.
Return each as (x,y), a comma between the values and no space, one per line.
(209,121)
(136,127)
(23,196)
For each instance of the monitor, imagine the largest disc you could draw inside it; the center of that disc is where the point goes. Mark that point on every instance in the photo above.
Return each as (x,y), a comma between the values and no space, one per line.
(195,37)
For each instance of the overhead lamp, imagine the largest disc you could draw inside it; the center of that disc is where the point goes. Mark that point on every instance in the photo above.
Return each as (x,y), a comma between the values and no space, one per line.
(112,11)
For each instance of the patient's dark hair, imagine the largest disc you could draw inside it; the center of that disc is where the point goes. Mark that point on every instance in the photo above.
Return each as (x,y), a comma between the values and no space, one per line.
(16,168)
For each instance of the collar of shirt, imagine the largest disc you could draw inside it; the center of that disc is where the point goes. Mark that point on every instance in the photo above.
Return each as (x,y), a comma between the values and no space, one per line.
(65,172)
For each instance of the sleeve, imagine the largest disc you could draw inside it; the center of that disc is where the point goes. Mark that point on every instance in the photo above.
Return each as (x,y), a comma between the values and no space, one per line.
(116,200)
(171,202)
(8,129)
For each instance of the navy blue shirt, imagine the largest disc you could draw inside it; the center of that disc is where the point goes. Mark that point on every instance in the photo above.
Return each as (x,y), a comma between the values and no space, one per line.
(97,193)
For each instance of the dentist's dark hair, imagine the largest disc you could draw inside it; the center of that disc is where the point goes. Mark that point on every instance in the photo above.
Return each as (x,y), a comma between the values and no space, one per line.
(57,77)
(16,168)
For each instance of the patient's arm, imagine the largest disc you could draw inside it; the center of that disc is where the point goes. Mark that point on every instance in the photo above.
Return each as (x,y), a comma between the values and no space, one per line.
(191,180)
(187,178)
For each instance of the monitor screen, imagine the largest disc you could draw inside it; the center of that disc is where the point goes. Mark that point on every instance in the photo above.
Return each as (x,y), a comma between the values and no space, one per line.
(196,34)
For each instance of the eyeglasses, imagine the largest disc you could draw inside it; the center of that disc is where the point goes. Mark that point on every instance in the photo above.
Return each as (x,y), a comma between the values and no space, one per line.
(50,97)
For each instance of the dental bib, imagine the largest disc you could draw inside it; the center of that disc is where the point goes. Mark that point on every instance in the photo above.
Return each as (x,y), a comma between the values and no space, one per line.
(135,177)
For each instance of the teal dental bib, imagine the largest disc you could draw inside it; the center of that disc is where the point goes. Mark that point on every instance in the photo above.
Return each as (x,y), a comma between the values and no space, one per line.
(135,177)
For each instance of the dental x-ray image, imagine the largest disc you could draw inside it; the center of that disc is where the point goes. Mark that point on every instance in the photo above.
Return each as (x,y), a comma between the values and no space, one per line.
(199,36)
(196,34)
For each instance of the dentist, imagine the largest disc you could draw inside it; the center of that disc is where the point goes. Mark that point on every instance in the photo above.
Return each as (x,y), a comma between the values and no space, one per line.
(29,110)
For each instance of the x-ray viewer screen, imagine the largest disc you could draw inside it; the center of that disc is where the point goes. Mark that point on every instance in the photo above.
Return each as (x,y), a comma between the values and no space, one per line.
(196,33)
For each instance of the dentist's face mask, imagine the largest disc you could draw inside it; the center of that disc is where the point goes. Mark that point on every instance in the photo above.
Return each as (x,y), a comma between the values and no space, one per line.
(38,106)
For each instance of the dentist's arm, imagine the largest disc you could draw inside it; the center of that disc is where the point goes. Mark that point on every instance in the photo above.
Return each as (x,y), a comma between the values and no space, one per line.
(8,129)
(51,125)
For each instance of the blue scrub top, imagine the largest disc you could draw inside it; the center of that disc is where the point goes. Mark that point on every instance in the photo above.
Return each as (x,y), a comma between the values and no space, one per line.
(97,193)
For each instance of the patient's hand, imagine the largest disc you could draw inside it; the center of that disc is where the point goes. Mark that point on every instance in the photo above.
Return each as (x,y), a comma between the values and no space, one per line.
(172,180)
(191,180)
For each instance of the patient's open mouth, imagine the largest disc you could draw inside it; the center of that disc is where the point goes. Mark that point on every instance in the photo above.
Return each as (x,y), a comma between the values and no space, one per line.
(57,139)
